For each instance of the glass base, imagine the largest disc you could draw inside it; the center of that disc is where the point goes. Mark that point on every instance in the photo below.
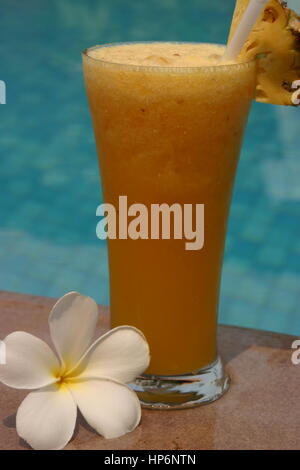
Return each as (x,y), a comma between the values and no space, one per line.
(182,391)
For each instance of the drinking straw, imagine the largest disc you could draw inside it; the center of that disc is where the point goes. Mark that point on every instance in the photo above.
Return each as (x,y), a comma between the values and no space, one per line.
(243,29)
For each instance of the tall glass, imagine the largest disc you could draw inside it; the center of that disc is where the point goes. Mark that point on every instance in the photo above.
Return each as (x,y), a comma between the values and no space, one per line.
(170,135)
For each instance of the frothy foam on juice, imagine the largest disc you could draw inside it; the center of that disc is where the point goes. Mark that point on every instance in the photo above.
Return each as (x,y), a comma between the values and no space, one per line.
(161,54)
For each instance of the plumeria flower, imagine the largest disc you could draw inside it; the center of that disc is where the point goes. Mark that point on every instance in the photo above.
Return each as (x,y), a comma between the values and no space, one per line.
(90,376)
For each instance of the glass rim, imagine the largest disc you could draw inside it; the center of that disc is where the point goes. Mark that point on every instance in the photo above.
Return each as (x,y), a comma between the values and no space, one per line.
(161,68)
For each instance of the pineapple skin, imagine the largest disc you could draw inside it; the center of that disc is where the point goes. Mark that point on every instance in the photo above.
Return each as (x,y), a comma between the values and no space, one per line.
(275,42)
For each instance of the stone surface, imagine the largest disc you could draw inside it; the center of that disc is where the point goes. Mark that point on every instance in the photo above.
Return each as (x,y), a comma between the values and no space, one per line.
(260,411)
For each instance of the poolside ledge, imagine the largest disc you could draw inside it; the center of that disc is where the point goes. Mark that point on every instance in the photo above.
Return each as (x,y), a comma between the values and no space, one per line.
(260,411)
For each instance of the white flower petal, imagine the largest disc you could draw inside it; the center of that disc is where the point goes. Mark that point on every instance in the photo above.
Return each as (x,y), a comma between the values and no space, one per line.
(72,325)
(30,363)
(121,354)
(110,407)
(46,418)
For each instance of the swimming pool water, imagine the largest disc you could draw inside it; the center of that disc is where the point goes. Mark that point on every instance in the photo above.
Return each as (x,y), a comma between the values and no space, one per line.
(49,177)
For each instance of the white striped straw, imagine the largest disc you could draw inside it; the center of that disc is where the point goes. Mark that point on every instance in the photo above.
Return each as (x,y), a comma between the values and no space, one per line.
(243,29)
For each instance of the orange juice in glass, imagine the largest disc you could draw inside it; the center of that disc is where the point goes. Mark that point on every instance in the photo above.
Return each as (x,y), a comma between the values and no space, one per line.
(169,120)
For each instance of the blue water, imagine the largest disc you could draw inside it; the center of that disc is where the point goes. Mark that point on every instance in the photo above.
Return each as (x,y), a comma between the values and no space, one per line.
(49,177)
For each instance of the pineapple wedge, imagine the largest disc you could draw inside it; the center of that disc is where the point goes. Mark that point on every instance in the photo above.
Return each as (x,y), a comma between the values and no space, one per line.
(275,41)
